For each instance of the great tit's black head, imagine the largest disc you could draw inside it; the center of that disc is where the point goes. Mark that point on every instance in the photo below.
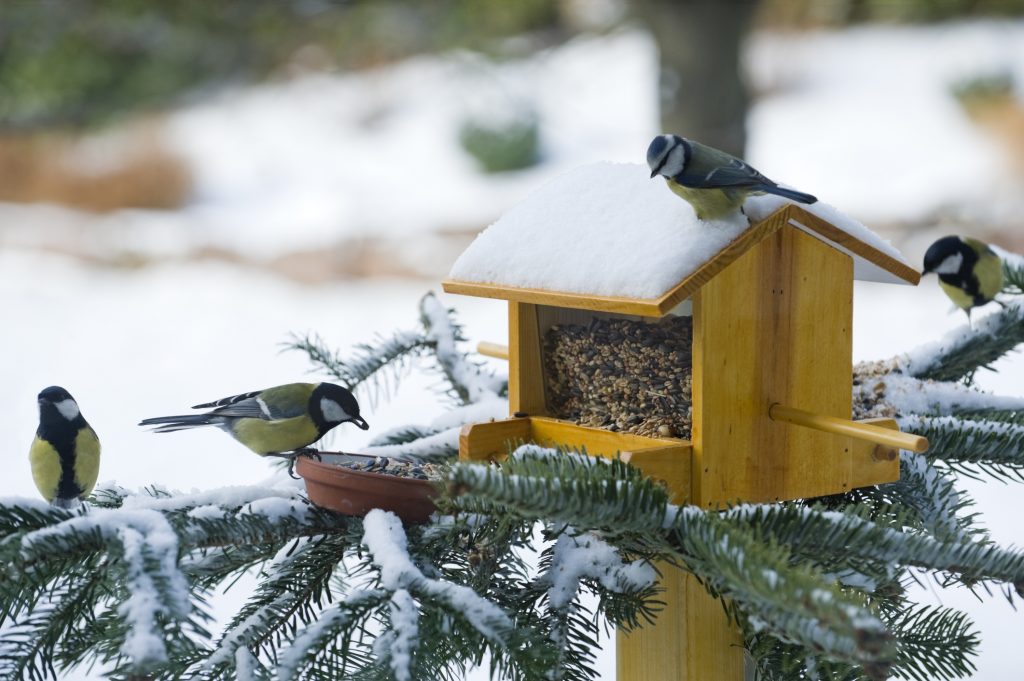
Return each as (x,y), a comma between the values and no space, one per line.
(668,155)
(57,400)
(335,404)
(946,256)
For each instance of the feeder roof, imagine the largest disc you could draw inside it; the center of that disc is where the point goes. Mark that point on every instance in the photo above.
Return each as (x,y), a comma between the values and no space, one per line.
(607,237)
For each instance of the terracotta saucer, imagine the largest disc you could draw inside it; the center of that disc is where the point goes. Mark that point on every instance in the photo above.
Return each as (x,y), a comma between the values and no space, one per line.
(355,492)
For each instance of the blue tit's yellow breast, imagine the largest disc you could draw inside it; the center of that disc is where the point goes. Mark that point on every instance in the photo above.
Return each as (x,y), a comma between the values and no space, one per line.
(45,467)
(87,459)
(710,204)
(284,435)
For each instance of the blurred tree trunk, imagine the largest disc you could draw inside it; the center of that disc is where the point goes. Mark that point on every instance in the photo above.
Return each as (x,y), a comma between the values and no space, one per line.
(703,96)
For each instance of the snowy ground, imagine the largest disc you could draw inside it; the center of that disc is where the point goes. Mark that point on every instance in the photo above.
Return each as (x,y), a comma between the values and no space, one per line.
(862,118)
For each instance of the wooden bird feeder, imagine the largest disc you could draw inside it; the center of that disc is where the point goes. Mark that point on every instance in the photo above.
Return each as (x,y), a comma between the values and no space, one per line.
(771,398)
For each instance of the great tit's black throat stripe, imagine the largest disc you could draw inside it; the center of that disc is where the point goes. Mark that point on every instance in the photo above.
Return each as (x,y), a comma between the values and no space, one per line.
(61,436)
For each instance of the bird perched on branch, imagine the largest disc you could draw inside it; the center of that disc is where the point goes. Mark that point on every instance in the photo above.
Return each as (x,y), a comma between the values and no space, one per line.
(715,183)
(279,421)
(65,454)
(969,271)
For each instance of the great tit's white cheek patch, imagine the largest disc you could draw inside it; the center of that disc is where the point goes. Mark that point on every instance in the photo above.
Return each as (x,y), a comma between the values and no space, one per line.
(951,265)
(68,409)
(332,411)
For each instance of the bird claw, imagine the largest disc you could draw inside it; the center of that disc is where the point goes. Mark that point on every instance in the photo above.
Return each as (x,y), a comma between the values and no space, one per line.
(306,451)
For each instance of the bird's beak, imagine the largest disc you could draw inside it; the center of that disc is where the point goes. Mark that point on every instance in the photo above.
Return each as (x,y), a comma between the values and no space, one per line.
(653,173)
(361,423)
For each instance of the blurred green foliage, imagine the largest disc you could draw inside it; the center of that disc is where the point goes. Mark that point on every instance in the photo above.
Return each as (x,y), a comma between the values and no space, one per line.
(844,12)
(502,147)
(984,88)
(82,62)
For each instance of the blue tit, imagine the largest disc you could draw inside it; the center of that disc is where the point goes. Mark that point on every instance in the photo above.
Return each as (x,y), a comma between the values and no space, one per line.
(715,183)
(65,454)
(278,421)
(969,272)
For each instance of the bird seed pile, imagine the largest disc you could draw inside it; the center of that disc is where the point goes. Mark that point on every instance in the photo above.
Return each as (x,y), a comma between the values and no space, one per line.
(403,469)
(623,375)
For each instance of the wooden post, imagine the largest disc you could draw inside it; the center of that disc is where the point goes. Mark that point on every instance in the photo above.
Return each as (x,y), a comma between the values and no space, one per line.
(846,427)
(525,368)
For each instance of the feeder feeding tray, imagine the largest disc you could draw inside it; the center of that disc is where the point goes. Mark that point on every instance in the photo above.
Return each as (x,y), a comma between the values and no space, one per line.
(337,483)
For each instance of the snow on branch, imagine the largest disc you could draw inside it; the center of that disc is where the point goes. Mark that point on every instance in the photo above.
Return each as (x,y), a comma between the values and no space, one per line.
(440,440)
(932,494)
(333,622)
(904,394)
(963,351)
(470,381)
(972,446)
(585,556)
(386,541)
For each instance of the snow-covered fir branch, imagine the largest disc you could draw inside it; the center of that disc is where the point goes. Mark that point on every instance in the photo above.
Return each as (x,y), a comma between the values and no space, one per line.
(378,363)
(963,351)
(469,380)
(972,446)
(440,440)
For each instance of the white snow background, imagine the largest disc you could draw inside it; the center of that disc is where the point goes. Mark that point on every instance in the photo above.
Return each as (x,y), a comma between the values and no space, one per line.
(862,118)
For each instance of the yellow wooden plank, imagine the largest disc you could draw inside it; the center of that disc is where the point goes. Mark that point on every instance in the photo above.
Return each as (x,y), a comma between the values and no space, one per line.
(874,464)
(525,368)
(761,328)
(597,441)
(691,639)
(535,296)
(854,245)
(715,644)
(669,464)
(484,441)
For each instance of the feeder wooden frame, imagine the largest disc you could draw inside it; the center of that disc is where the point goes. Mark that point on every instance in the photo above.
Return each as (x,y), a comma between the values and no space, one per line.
(771,400)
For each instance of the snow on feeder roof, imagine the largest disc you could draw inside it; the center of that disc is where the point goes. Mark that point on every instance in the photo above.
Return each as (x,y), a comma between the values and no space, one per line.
(607,237)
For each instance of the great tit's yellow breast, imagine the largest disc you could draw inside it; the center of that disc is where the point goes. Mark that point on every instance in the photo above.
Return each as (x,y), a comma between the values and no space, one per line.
(989,271)
(87,459)
(45,467)
(263,437)
(960,298)
(709,204)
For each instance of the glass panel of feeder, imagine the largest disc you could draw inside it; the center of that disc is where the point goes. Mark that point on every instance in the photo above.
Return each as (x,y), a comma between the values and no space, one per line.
(623,373)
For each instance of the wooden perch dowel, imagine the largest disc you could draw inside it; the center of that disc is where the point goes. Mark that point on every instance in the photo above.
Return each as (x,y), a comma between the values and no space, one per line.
(496,350)
(838,426)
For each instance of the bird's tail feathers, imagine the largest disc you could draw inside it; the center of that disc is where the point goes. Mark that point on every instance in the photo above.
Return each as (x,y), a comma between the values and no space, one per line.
(169,424)
(799,197)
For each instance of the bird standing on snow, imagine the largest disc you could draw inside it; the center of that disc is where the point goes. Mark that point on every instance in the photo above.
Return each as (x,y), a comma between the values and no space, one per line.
(713,182)
(969,271)
(278,421)
(65,454)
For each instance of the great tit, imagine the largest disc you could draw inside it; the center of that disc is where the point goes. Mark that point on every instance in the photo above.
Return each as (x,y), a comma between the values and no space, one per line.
(278,421)
(713,182)
(969,271)
(65,453)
